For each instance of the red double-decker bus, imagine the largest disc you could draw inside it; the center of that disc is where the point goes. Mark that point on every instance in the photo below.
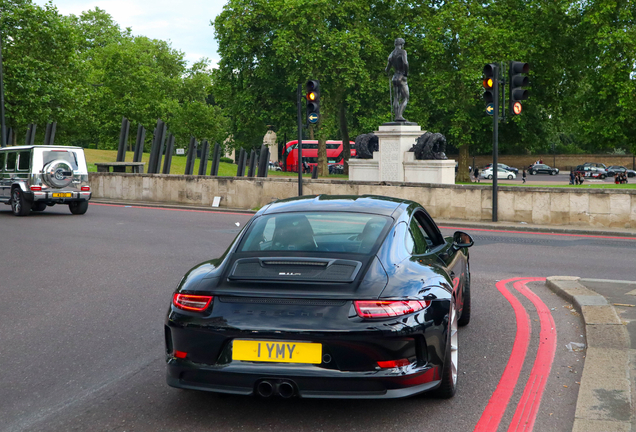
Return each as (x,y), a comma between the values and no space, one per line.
(310,154)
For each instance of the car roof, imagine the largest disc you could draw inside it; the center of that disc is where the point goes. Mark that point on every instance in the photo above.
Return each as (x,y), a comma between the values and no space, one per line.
(28,147)
(374,204)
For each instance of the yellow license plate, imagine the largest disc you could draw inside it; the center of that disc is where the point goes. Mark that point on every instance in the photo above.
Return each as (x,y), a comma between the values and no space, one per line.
(62,195)
(277,351)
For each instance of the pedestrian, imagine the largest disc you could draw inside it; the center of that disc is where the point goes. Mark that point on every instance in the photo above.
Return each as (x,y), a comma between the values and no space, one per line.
(571,177)
(523,175)
(541,161)
(477,174)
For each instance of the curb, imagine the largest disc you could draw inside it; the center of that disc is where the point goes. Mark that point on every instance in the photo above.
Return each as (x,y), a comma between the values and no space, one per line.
(171,206)
(604,400)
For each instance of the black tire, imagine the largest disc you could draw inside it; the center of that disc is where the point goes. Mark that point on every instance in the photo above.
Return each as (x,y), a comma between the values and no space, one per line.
(448,386)
(509,177)
(39,206)
(78,207)
(603,176)
(19,205)
(465,317)
(533,172)
(489,177)
(552,172)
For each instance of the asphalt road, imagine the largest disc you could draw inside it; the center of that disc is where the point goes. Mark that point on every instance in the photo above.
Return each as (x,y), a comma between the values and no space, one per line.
(85,297)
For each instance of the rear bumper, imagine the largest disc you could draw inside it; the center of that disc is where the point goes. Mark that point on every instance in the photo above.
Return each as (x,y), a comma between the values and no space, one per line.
(45,196)
(309,382)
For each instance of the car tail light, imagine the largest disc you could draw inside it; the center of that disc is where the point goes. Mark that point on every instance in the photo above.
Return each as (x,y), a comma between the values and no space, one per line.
(36,188)
(393,363)
(180,354)
(196,303)
(86,188)
(388,308)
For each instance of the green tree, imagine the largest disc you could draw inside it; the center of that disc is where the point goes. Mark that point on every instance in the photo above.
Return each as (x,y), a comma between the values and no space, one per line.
(44,77)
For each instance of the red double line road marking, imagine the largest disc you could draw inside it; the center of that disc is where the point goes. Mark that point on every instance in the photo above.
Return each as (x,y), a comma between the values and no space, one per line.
(494,411)
(528,407)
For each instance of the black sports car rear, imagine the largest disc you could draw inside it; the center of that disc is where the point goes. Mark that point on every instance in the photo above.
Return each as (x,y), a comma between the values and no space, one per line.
(325,296)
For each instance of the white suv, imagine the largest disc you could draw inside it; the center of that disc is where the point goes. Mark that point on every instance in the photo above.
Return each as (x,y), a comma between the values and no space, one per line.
(36,176)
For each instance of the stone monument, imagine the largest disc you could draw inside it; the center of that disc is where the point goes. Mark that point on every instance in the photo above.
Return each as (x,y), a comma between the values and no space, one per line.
(394,161)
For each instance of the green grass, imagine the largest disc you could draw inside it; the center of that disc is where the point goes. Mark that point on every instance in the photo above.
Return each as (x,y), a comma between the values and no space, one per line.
(179,162)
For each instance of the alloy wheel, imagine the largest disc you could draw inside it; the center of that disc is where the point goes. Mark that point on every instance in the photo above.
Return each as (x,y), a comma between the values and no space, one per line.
(454,340)
(15,201)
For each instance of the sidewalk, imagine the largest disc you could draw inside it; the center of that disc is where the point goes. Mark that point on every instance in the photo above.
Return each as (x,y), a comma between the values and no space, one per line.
(609,375)
(455,223)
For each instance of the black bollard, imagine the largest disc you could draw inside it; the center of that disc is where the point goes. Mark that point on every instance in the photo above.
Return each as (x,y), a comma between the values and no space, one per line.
(252,169)
(263,162)
(203,162)
(167,161)
(162,146)
(154,150)
(47,134)
(123,139)
(314,172)
(216,159)
(240,171)
(51,140)
(30,135)
(192,154)
(139,143)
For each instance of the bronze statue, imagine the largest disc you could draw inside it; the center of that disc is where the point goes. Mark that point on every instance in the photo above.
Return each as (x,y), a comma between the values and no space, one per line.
(397,60)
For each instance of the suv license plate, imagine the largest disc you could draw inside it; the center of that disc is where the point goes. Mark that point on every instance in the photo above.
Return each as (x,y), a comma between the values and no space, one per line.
(277,351)
(62,195)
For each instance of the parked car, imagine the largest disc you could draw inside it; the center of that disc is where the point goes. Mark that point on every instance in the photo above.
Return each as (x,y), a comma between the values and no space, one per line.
(542,169)
(591,171)
(617,169)
(36,176)
(501,174)
(504,166)
(325,297)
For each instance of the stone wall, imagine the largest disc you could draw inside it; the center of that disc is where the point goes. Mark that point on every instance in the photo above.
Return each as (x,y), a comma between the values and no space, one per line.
(548,206)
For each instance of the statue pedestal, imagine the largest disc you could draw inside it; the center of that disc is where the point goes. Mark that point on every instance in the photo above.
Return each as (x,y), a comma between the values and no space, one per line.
(394,141)
(428,171)
(364,169)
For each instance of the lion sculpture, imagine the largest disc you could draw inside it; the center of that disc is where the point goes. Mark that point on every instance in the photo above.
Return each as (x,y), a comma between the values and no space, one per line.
(430,146)
(366,144)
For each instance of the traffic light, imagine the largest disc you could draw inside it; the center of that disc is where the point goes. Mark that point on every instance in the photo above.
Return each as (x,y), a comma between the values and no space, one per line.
(489,82)
(517,81)
(313,101)
(489,85)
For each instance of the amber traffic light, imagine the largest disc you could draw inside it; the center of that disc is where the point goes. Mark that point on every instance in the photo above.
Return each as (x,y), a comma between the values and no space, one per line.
(489,82)
(313,101)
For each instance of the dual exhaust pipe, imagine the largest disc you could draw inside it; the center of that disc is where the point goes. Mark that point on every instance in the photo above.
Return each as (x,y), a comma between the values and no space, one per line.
(282,388)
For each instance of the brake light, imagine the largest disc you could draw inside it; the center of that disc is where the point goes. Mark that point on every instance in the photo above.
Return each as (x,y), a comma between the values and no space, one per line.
(180,354)
(389,308)
(36,188)
(86,188)
(393,363)
(196,303)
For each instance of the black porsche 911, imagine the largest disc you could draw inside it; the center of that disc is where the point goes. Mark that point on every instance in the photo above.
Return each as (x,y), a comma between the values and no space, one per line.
(325,297)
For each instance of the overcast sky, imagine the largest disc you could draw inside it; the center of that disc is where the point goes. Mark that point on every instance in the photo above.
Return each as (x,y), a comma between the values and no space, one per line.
(185,23)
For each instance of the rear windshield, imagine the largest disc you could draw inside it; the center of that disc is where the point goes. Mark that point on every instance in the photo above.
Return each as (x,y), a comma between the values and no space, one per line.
(65,155)
(320,232)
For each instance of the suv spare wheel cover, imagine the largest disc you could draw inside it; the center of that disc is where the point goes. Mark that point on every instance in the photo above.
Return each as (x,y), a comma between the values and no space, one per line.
(58,174)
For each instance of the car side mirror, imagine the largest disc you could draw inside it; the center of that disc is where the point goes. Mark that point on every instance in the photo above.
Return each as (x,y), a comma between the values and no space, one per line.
(462,240)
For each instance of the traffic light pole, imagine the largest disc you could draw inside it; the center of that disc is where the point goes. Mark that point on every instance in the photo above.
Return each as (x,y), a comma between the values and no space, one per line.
(495,143)
(300,142)
(3,126)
